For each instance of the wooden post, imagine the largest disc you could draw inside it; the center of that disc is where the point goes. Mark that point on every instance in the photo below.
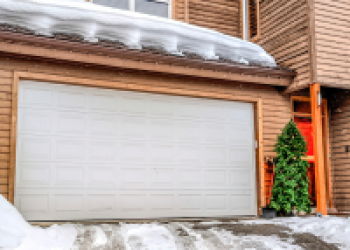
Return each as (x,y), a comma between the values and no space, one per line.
(316,114)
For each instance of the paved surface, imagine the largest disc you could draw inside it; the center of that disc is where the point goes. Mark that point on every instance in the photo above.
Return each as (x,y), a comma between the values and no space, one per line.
(194,236)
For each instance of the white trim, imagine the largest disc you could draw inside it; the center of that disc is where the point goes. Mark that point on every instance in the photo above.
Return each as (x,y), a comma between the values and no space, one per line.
(132,5)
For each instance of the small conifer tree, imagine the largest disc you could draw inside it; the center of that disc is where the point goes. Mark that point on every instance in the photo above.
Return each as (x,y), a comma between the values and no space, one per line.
(290,188)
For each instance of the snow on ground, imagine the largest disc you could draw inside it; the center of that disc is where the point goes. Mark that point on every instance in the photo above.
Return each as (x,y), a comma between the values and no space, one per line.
(16,233)
(136,30)
(330,229)
(147,236)
(254,241)
(282,233)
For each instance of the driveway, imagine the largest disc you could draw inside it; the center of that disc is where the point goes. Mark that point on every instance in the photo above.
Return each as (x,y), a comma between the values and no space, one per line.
(196,236)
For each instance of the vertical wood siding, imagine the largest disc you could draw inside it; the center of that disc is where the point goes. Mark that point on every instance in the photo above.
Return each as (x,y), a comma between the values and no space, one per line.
(332,26)
(276,107)
(220,15)
(285,35)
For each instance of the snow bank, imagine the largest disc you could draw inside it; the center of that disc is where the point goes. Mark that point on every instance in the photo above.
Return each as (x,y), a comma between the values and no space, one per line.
(331,229)
(16,233)
(147,237)
(136,30)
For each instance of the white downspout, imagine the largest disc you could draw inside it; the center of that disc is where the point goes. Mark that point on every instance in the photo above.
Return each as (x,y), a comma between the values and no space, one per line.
(245,10)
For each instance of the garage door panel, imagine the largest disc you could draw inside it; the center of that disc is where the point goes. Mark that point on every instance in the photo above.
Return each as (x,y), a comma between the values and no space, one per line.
(102,150)
(161,177)
(34,148)
(239,113)
(161,153)
(70,123)
(240,157)
(103,154)
(34,175)
(160,106)
(35,94)
(104,101)
(187,130)
(133,103)
(35,121)
(101,203)
(161,129)
(217,203)
(68,176)
(190,177)
(241,178)
(189,154)
(102,125)
(134,127)
(68,203)
(133,177)
(71,98)
(102,176)
(188,109)
(34,204)
(70,149)
(135,151)
(215,155)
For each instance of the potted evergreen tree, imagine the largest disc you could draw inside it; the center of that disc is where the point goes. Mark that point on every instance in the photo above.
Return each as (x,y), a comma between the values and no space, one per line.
(290,187)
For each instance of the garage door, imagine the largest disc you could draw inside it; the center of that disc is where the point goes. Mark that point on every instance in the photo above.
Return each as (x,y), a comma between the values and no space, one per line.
(91,153)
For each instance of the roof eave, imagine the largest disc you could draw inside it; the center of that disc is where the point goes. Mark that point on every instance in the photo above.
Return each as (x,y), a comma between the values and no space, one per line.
(48,48)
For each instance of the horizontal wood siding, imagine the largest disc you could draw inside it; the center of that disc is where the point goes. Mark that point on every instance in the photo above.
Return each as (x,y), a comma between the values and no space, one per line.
(340,139)
(285,35)
(332,24)
(5,124)
(275,108)
(219,15)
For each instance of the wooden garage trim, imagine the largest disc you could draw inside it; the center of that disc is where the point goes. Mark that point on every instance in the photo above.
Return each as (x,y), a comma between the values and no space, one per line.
(258,117)
(12,169)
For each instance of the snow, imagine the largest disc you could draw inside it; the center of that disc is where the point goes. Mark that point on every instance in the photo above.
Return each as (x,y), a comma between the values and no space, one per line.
(99,237)
(253,241)
(147,237)
(330,229)
(135,30)
(16,233)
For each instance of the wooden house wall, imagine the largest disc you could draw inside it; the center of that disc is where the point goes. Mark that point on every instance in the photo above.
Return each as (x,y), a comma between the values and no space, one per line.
(220,15)
(332,41)
(276,107)
(285,33)
(340,148)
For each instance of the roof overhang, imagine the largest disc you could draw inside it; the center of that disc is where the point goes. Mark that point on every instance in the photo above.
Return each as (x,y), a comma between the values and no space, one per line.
(52,49)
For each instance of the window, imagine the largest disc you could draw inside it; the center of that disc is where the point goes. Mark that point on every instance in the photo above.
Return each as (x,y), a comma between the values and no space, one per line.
(161,8)
(251,20)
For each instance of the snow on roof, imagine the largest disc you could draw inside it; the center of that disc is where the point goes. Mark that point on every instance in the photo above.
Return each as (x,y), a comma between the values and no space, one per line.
(136,30)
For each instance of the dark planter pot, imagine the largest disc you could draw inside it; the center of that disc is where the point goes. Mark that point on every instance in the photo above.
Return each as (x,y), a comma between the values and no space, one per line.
(285,214)
(268,213)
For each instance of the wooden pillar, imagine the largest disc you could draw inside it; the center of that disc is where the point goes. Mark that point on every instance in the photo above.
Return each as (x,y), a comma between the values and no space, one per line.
(316,114)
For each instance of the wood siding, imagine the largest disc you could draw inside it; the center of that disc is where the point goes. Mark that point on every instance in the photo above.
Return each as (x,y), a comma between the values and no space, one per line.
(340,149)
(275,107)
(332,27)
(285,33)
(219,15)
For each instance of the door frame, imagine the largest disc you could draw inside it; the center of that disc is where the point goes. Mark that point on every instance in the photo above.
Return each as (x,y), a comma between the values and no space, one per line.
(257,103)
(325,141)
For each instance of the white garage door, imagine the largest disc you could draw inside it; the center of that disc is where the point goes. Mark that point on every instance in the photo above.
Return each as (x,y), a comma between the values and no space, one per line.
(90,153)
